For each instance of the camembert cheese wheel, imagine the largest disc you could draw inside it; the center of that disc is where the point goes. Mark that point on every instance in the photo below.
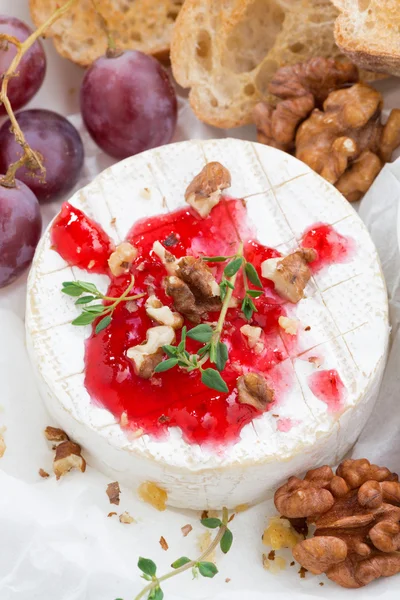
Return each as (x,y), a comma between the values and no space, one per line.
(322,356)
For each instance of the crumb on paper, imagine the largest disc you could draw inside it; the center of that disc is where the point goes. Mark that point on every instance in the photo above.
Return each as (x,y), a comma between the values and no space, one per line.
(126,518)
(113,492)
(241,508)
(68,456)
(315,360)
(53,434)
(271,555)
(275,565)
(280,534)
(3,446)
(210,514)
(163,543)
(308,328)
(204,514)
(302,572)
(227,580)
(205,540)
(276,416)
(113,221)
(43,473)
(231,517)
(321,583)
(292,563)
(145,193)
(186,529)
(111,514)
(152,494)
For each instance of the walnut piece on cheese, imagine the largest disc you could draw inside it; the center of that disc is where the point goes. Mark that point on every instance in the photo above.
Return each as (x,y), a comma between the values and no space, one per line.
(147,355)
(290,326)
(198,277)
(167,258)
(253,390)
(290,274)
(205,191)
(122,257)
(67,457)
(253,335)
(157,311)
(151,493)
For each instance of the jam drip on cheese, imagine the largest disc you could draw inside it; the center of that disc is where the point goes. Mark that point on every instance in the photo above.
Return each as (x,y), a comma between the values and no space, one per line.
(174,398)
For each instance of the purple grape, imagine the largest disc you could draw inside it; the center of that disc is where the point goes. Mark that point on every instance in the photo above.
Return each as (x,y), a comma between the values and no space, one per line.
(20,227)
(128,103)
(56,140)
(32,68)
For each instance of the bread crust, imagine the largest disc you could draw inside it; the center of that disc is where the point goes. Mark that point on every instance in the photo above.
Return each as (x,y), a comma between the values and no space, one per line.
(79,36)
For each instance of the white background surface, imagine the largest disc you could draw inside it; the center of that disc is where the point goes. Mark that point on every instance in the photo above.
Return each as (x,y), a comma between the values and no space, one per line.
(56,542)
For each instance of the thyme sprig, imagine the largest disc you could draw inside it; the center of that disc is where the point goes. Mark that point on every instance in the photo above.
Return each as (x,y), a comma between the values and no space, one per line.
(214,349)
(199,566)
(91,312)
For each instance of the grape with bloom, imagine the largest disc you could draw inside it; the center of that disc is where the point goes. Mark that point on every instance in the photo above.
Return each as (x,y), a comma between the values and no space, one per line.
(20,228)
(128,103)
(59,145)
(32,68)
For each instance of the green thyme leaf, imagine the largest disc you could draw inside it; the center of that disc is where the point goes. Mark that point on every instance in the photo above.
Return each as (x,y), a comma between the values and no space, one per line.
(103,324)
(252,275)
(248,307)
(233,267)
(97,309)
(147,566)
(207,569)
(201,333)
(85,300)
(88,287)
(222,356)
(254,293)
(166,365)
(170,351)
(211,522)
(84,319)
(183,560)
(212,379)
(223,289)
(182,343)
(215,258)
(71,290)
(226,541)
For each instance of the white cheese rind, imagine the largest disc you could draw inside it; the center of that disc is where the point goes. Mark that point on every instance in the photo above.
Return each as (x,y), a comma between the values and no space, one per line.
(345,306)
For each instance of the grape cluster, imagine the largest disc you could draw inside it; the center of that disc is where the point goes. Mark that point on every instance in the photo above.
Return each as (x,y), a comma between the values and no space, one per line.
(128,105)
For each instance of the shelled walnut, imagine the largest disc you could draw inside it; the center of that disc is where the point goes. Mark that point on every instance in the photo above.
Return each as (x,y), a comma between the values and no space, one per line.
(330,122)
(356,513)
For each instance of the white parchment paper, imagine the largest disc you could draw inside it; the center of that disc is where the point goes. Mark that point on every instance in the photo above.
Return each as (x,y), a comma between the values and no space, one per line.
(56,542)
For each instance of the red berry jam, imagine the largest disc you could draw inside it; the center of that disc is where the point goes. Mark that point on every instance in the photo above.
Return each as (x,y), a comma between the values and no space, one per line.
(176,398)
(331,247)
(80,241)
(329,388)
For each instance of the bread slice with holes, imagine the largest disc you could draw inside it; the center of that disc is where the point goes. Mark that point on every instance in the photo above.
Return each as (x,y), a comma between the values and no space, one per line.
(368,32)
(226,51)
(80,34)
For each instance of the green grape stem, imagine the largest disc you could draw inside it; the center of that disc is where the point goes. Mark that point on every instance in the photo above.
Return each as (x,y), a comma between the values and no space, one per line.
(192,563)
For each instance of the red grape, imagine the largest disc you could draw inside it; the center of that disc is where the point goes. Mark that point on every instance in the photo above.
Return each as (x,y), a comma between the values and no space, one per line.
(128,103)
(59,144)
(20,227)
(32,68)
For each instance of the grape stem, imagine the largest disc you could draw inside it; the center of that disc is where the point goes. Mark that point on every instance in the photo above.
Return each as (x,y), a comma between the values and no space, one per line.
(31,159)
(192,563)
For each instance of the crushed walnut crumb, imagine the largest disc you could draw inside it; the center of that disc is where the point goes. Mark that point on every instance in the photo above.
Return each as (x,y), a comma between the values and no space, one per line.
(163,543)
(126,518)
(186,529)
(302,572)
(53,434)
(112,514)
(113,492)
(68,456)
(43,474)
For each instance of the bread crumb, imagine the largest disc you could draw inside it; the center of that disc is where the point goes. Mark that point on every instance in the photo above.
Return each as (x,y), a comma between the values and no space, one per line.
(280,534)
(186,529)
(126,518)
(43,474)
(205,540)
(163,543)
(152,494)
(113,492)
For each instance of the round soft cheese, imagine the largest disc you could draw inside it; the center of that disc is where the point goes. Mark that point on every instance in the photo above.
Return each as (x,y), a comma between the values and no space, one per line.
(342,329)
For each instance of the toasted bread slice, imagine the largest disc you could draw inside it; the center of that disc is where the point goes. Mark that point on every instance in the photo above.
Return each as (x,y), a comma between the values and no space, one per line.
(368,32)
(80,35)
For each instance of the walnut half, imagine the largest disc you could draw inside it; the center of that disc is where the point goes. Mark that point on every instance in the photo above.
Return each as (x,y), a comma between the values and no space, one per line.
(148,355)
(253,390)
(205,191)
(68,456)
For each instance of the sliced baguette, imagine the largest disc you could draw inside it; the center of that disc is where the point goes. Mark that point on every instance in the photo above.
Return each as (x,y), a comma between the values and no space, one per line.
(368,32)
(80,35)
